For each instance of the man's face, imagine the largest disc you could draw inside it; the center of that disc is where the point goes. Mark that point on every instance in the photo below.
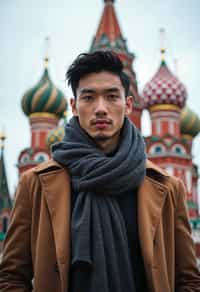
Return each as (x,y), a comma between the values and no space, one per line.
(101,105)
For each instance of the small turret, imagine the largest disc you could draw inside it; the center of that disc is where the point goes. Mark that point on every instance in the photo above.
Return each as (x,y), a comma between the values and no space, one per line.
(5,200)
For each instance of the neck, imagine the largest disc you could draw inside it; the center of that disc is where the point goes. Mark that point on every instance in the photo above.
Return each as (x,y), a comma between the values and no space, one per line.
(107,145)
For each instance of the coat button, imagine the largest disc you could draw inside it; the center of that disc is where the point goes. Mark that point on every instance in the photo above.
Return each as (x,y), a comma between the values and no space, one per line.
(56,267)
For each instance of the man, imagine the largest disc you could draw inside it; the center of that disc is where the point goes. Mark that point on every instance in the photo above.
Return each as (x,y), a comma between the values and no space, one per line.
(99,217)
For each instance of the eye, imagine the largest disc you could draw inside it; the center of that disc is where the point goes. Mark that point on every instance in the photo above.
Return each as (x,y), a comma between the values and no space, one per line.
(112,97)
(87,97)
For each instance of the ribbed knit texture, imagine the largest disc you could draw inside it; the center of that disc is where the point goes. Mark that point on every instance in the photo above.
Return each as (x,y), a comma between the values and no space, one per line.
(99,237)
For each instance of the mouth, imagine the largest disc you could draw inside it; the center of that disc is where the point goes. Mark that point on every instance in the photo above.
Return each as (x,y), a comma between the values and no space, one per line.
(101,123)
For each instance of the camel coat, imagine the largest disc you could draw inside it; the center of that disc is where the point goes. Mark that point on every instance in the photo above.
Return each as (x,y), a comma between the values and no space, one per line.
(37,245)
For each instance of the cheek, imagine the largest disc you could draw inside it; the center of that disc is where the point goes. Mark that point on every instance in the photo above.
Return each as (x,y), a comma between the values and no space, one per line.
(119,112)
(83,116)
(81,111)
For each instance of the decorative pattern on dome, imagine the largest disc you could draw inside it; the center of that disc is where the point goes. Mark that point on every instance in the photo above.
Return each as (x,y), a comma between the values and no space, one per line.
(164,88)
(189,123)
(55,135)
(44,97)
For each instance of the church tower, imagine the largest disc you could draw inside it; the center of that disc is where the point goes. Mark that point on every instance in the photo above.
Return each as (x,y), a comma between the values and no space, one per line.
(109,37)
(173,127)
(44,105)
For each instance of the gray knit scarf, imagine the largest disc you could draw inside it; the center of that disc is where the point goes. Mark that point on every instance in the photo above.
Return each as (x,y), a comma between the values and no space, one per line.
(98,229)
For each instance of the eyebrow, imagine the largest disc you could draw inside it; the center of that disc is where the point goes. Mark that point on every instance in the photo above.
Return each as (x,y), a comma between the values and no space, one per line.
(107,90)
(87,90)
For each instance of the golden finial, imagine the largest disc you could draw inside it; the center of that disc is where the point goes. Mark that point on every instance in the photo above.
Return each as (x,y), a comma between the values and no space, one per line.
(162,41)
(47,48)
(2,138)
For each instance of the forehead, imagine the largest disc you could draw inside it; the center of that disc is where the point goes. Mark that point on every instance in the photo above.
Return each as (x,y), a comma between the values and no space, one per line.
(100,81)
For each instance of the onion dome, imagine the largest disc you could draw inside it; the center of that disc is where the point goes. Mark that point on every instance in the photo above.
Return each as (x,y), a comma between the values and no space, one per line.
(44,97)
(55,135)
(189,122)
(164,88)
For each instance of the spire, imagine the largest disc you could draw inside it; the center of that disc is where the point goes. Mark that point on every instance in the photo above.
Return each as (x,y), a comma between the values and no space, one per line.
(109,25)
(46,52)
(108,33)
(2,138)
(163,46)
(5,201)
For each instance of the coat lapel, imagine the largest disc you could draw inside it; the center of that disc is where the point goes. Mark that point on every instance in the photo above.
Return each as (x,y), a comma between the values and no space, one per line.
(56,190)
(151,198)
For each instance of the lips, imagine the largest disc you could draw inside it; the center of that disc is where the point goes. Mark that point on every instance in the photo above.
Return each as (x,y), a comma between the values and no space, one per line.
(101,124)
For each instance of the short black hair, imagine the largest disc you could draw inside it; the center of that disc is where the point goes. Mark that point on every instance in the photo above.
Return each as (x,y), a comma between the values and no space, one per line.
(96,62)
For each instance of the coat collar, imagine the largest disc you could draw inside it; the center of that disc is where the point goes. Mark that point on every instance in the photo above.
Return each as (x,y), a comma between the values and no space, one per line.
(55,183)
(152,193)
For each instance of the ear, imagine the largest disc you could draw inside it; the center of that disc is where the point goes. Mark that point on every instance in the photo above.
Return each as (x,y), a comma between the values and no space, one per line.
(73,106)
(129,105)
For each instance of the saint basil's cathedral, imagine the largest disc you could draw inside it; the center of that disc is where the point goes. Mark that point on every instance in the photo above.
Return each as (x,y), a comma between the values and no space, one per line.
(173,124)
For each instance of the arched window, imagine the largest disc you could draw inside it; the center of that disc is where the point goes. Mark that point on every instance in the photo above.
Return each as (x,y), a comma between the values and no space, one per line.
(41,156)
(178,149)
(157,148)
(25,158)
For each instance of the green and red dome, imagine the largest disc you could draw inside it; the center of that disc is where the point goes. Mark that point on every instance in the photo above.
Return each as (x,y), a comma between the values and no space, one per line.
(45,97)
(190,122)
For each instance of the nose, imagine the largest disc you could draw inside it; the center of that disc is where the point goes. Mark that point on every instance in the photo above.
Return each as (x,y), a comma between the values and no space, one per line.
(100,107)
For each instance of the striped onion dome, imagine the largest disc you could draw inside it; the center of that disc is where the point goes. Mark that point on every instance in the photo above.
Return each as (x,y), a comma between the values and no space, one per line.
(189,122)
(55,135)
(44,97)
(164,88)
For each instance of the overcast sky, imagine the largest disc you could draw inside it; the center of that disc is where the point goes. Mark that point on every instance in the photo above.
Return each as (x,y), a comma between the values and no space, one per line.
(71,26)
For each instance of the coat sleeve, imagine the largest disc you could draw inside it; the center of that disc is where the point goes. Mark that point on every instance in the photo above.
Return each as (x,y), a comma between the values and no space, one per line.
(16,265)
(187,274)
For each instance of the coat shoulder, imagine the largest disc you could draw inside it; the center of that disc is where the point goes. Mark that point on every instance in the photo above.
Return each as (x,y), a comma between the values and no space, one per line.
(32,175)
(151,167)
(47,166)
(32,180)
(159,176)
(156,173)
